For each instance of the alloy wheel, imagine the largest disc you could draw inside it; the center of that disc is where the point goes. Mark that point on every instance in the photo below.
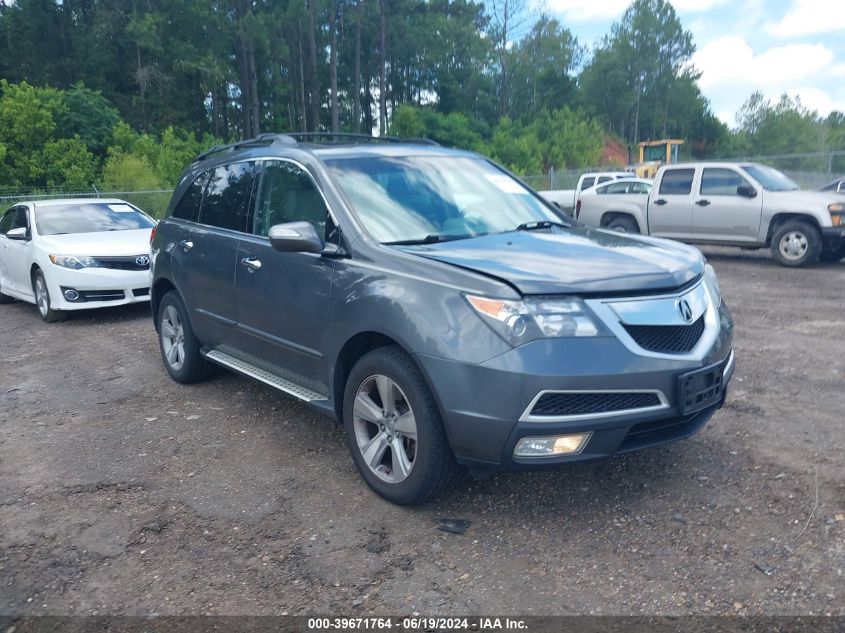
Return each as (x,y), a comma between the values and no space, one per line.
(793,245)
(42,297)
(173,338)
(385,428)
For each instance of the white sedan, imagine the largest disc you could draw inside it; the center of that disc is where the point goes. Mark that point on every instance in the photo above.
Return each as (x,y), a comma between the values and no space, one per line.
(613,205)
(74,254)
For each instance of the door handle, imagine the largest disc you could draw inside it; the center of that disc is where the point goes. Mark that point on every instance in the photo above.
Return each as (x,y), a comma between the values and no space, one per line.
(703,203)
(660,202)
(186,245)
(251,263)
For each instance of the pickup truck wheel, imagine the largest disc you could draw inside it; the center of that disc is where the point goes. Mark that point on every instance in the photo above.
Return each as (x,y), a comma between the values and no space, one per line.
(623,224)
(796,243)
(393,429)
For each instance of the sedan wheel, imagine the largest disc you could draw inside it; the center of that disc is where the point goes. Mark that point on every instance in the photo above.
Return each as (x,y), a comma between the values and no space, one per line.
(42,297)
(385,429)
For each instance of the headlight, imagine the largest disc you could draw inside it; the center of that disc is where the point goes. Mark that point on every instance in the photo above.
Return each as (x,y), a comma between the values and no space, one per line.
(712,283)
(519,322)
(74,262)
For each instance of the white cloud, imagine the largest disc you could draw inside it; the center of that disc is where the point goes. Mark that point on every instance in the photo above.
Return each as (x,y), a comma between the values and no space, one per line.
(809,17)
(595,10)
(730,60)
(731,71)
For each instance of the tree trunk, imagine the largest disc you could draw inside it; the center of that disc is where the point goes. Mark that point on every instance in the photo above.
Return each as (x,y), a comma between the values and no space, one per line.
(313,82)
(382,82)
(356,80)
(333,68)
(302,81)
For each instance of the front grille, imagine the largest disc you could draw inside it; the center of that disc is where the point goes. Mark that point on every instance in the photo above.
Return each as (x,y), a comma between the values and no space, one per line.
(560,404)
(668,339)
(124,263)
(101,295)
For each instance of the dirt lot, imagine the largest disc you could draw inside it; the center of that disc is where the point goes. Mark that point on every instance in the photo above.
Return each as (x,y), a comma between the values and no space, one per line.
(122,492)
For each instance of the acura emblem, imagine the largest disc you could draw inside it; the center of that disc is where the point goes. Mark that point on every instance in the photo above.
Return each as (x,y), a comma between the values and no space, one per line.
(142,260)
(685,309)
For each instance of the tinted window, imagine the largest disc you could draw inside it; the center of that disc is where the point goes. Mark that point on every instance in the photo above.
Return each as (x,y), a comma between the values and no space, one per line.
(676,181)
(720,182)
(604,179)
(588,182)
(288,194)
(6,222)
(616,187)
(89,217)
(227,196)
(189,206)
(20,221)
(640,187)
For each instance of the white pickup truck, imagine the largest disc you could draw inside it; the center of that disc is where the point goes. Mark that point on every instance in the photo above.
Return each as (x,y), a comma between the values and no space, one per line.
(566,199)
(732,204)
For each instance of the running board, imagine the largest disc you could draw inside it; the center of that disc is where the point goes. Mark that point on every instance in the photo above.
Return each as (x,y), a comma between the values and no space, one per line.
(248,369)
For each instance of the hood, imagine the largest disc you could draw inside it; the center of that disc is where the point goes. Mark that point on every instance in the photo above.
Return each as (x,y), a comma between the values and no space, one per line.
(802,200)
(572,261)
(100,244)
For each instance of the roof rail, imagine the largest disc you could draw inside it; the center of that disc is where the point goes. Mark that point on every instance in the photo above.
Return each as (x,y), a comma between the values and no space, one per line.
(293,138)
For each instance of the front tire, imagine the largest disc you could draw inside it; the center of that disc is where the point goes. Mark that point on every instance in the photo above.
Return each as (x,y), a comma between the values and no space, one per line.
(42,300)
(796,243)
(394,431)
(180,348)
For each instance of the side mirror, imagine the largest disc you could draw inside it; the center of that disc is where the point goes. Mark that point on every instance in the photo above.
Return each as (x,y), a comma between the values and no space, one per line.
(295,237)
(746,191)
(18,234)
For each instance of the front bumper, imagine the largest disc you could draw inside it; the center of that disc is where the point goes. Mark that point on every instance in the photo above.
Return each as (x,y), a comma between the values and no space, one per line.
(97,287)
(484,406)
(833,238)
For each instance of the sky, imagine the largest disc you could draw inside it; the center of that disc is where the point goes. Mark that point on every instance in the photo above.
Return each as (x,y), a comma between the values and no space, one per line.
(774,46)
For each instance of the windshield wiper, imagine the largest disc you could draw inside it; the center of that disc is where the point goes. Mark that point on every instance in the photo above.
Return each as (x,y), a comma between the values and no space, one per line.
(540,224)
(434,238)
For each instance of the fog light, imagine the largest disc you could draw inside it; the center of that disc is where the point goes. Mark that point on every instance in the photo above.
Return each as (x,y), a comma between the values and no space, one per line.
(71,294)
(552,445)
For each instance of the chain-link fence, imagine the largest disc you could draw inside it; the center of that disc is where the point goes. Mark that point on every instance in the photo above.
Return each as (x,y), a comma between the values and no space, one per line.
(809,170)
(152,202)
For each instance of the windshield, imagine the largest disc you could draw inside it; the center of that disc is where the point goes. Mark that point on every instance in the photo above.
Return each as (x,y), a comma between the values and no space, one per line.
(417,198)
(90,217)
(770,178)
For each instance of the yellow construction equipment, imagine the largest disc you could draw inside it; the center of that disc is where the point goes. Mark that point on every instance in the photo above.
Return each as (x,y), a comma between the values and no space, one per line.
(653,154)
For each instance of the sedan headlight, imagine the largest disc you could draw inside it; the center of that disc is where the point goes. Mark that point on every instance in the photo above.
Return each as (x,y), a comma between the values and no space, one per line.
(519,322)
(74,262)
(712,284)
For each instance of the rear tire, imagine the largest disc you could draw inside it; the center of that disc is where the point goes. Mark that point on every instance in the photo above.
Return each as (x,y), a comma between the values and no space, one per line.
(408,458)
(43,302)
(796,243)
(622,224)
(180,348)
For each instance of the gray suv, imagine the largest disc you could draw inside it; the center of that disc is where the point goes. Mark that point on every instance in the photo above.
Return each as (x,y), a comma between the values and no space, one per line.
(435,306)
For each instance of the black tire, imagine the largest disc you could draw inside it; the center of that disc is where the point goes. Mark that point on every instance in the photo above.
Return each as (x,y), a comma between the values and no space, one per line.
(44,305)
(434,467)
(622,224)
(832,256)
(192,366)
(4,299)
(802,233)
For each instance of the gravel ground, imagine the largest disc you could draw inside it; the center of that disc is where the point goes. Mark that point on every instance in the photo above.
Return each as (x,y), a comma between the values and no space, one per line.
(122,492)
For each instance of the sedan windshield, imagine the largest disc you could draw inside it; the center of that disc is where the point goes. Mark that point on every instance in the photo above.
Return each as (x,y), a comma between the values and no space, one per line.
(89,217)
(770,178)
(420,199)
